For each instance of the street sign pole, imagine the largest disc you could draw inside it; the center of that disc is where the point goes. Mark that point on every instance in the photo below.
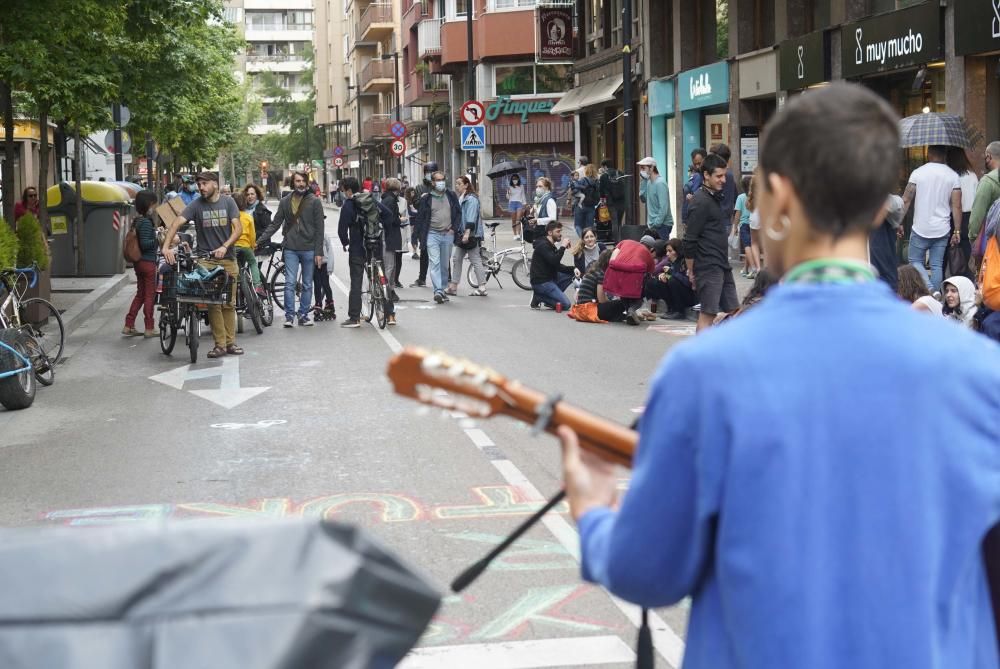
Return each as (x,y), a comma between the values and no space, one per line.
(116,116)
(471,76)
(629,166)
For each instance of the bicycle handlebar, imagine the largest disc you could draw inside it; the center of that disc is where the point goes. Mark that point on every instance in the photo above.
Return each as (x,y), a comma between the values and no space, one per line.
(33,271)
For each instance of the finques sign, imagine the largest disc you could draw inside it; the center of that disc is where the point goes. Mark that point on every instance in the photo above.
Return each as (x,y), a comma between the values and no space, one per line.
(504,106)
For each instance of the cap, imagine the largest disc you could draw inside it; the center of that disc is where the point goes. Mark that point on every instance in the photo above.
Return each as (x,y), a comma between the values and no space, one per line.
(187,178)
(647,241)
(207,176)
(648,161)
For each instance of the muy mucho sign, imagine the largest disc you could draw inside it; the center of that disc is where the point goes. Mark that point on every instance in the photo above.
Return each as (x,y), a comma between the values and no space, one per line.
(891,41)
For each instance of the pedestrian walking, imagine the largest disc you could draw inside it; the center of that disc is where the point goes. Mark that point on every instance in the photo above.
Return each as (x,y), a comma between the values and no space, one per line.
(958,261)
(548,279)
(515,202)
(467,242)
(706,245)
(302,221)
(935,193)
(745,205)
(217,226)
(778,448)
(658,216)
(730,187)
(393,234)
(987,192)
(440,214)
(420,228)
(145,268)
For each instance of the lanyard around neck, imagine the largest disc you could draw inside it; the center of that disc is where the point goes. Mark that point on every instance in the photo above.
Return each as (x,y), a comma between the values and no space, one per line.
(831,270)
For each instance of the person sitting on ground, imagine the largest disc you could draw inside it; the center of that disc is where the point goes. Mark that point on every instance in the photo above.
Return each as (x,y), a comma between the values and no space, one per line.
(630,263)
(585,252)
(959,300)
(244,247)
(549,280)
(593,305)
(912,288)
(672,273)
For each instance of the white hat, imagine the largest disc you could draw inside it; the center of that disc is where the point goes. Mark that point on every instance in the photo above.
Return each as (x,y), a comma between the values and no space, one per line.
(648,161)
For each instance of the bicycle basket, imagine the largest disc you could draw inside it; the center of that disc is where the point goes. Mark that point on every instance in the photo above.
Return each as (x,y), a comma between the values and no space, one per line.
(213,288)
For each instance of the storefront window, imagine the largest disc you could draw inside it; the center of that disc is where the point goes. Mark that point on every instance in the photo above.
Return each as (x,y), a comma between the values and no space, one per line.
(530,79)
(551,78)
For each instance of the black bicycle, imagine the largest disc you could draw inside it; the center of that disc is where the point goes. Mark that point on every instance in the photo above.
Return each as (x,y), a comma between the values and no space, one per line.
(275,274)
(248,301)
(184,302)
(375,286)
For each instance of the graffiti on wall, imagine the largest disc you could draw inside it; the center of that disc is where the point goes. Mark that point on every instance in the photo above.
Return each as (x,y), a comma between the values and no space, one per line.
(556,166)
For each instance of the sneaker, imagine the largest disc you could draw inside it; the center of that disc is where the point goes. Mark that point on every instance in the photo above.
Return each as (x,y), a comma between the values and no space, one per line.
(445,296)
(351,323)
(535,304)
(305,321)
(392,319)
(517,238)
(418,284)
(397,284)
(633,318)
(289,322)
(260,291)
(130,332)
(674,316)
(439,297)
(744,273)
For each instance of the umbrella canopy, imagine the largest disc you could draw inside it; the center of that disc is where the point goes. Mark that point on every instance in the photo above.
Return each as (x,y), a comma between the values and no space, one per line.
(505,169)
(934,129)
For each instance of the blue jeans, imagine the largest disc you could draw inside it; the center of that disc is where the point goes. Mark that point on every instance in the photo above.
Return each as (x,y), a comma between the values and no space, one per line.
(583,218)
(663,231)
(919,247)
(293,261)
(439,254)
(553,292)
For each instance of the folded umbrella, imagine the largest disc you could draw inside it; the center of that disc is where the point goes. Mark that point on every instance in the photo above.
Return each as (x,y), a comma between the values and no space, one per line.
(934,129)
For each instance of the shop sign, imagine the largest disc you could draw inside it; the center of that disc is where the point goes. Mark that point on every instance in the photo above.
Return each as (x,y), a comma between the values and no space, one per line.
(661,98)
(898,39)
(804,62)
(504,106)
(977,26)
(704,87)
(555,33)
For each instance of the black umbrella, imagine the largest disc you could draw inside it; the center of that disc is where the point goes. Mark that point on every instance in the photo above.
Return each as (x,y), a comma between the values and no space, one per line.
(505,169)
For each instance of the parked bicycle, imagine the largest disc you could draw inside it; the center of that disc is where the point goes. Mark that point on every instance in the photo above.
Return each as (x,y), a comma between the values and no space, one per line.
(493,262)
(274,273)
(248,301)
(184,302)
(37,320)
(17,374)
(375,286)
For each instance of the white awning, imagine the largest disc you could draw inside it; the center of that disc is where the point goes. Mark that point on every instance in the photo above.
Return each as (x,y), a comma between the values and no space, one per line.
(588,95)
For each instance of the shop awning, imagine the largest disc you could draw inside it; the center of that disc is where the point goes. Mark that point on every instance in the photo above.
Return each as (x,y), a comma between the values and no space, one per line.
(588,95)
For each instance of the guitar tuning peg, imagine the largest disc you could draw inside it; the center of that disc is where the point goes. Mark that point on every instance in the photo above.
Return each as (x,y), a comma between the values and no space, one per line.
(431,362)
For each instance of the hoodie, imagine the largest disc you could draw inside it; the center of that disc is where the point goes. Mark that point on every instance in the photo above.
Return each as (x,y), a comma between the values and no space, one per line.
(967,305)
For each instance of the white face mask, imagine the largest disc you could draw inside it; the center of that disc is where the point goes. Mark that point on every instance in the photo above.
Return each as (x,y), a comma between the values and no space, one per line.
(440,186)
(644,174)
(539,191)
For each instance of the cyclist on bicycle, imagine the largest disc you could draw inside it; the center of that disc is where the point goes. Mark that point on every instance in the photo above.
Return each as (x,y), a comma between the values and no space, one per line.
(217,225)
(245,245)
(352,235)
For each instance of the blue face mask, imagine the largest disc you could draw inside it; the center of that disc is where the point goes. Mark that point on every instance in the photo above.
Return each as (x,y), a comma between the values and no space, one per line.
(440,186)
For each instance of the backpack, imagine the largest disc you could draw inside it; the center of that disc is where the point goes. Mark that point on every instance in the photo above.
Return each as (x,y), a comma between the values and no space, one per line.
(616,186)
(369,216)
(131,250)
(591,194)
(989,274)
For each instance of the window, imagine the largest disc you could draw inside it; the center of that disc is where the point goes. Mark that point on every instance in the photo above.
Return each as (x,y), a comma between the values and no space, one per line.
(528,79)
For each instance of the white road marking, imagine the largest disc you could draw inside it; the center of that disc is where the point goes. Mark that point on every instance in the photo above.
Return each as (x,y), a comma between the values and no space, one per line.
(665,640)
(229,394)
(478,437)
(566,652)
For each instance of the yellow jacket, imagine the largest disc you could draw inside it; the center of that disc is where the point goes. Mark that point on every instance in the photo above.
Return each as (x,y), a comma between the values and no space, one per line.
(248,239)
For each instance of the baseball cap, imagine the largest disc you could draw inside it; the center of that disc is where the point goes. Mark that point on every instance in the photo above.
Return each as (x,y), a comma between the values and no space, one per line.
(648,161)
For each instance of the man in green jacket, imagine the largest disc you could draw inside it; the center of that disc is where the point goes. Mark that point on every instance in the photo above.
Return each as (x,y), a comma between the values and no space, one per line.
(987,192)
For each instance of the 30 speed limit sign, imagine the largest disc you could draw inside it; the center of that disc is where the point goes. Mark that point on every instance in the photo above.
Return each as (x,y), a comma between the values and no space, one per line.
(338,162)
(397,147)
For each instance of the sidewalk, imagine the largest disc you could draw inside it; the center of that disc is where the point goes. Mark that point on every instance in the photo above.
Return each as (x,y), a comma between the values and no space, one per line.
(78,298)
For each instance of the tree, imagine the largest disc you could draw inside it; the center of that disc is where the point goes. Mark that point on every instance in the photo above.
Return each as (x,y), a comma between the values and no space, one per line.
(303,141)
(722,28)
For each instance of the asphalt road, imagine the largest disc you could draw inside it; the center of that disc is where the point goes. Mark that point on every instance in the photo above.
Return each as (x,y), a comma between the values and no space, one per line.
(306,424)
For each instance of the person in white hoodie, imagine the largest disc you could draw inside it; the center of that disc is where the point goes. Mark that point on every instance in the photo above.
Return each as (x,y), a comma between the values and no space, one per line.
(959,300)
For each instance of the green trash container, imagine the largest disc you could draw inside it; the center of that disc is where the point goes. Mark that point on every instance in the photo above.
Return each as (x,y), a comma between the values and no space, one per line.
(107,214)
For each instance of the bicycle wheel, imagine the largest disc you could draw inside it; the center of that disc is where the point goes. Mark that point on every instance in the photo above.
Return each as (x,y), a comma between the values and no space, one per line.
(470,275)
(266,309)
(44,323)
(43,368)
(367,296)
(521,271)
(168,333)
(277,284)
(380,297)
(192,333)
(17,391)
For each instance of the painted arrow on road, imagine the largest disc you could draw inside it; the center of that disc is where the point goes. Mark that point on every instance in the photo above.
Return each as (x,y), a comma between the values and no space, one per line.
(229,394)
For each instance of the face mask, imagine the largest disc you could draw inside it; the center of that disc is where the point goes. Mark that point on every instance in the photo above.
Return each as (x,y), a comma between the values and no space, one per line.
(644,174)
(192,188)
(539,191)
(302,190)
(440,186)
(252,207)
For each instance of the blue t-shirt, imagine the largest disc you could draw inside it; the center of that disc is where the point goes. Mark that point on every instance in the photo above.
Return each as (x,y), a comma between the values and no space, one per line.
(820,486)
(741,206)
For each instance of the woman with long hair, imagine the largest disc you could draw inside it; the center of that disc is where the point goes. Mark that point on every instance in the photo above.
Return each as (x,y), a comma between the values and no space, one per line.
(912,288)
(515,201)
(745,205)
(821,482)
(958,160)
(585,251)
(257,206)
(467,243)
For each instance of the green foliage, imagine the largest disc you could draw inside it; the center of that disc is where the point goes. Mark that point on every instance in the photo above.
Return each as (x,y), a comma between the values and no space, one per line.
(8,246)
(31,243)
(303,141)
(722,28)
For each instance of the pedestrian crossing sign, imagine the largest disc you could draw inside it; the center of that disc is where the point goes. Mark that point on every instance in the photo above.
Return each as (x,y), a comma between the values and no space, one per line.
(473,138)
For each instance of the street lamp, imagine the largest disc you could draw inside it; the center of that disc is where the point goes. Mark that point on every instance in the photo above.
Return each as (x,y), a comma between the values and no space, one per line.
(399,105)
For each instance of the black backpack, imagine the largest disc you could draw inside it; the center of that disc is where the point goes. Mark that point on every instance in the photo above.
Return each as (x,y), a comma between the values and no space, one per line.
(616,186)
(591,194)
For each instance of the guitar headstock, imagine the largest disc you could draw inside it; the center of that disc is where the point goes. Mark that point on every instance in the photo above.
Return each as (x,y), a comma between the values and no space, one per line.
(444,381)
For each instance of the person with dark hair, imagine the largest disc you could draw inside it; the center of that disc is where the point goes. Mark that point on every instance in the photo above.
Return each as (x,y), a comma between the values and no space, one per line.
(706,245)
(145,267)
(612,189)
(959,300)
(658,216)
(729,188)
(257,206)
(591,291)
(763,282)
(958,160)
(548,280)
(792,456)
(671,272)
(420,229)
(882,251)
(245,245)
(393,234)
(439,213)
(693,183)
(912,289)
(515,202)
(28,203)
(353,243)
(745,205)
(936,195)
(467,242)
(987,192)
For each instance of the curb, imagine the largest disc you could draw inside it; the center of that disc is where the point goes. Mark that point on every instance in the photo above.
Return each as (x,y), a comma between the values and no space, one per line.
(76,315)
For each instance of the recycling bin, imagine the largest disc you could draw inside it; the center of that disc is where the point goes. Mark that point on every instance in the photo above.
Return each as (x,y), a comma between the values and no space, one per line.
(107,214)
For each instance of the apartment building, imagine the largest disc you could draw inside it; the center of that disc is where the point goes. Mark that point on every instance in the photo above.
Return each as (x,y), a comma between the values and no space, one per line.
(332,113)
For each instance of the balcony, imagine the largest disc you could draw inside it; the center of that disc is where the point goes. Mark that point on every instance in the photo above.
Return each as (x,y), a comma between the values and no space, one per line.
(276,63)
(376,128)
(501,34)
(413,12)
(429,38)
(378,77)
(376,22)
(425,89)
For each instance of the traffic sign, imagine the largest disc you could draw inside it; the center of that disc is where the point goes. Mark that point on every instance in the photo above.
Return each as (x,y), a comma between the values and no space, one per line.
(338,151)
(473,138)
(398,129)
(397,147)
(338,162)
(473,112)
